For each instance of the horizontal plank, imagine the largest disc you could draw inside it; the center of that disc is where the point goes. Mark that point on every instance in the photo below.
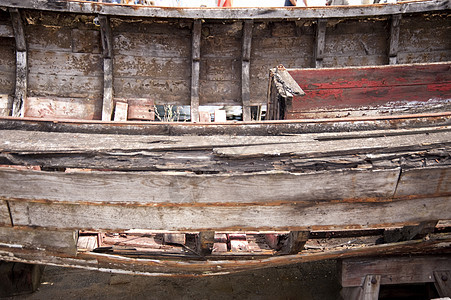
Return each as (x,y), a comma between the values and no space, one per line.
(299,216)
(6,31)
(65,86)
(393,270)
(162,188)
(39,239)
(165,44)
(372,76)
(254,128)
(369,86)
(377,144)
(63,108)
(164,91)
(235,13)
(424,182)
(5,219)
(153,67)
(64,63)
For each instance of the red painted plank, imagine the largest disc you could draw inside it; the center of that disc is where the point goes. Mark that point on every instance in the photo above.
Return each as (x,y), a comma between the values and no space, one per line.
(370,86)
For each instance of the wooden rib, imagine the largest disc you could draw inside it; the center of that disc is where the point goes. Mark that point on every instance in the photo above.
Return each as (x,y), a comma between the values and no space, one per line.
(21,64)
(107,43)
(394,39)
(245,69)
(320,42)
(195,70)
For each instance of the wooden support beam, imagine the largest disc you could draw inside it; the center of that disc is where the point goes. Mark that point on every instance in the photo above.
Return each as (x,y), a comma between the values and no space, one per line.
(320,42)
(407,233)
(107,44)
(195,70)
(295,242)
(394,39)
(21,63)
(19,278)
(443,282)
(245,68)
(205,242)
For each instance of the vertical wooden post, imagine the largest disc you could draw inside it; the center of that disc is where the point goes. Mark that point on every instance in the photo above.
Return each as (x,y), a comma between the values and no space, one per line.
(320,39)
(205,242)
(245,69)
(195,70)
(394,40)
(107,45)
(21,63)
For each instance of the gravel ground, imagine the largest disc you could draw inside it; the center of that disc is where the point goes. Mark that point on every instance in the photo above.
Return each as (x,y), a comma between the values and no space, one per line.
(310,281)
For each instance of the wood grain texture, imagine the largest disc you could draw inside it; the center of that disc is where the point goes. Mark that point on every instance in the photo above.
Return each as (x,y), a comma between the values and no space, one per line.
(393,270)
(216,217)
(243,13)
(394,39)
(195,69)
(38,239)
(178,188)
(63,108)
(336,88)
(424,181)
(5,219)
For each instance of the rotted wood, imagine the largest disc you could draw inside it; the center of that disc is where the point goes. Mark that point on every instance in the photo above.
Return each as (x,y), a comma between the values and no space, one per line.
(320,42)
(205,242)
(6,31)
(19,278)
(409,232)
(195,69)
(107,45)
(21,64)
(295,242)
(189,267)
(245,69)
(394,39)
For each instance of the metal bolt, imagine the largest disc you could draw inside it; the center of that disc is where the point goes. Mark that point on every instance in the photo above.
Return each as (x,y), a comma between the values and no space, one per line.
(373,280)
(444,277)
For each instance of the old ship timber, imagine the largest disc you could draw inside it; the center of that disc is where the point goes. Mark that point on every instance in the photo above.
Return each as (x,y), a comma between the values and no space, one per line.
(356,141)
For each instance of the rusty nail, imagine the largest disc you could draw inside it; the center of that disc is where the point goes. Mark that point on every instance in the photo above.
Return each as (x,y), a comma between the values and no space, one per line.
(444,277)
(373,280)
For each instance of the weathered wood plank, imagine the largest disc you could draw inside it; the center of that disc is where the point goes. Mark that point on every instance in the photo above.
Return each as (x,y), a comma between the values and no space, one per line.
(320,39)
(6,31)
(5,105)
(65,63)
(107,107)
(394,39)
(244,13)
(426,181)
(65,86)
(338,88)
(39,239)
(245,69)
(161,187)
(19,32)
(106,35)
(393,270)
(63,108)
(299,216)
(21,83)
(195,69)
(5,219)
(120,111)
(358,145)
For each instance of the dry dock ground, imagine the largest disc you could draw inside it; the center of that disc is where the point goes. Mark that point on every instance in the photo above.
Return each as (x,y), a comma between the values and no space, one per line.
(303,281)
